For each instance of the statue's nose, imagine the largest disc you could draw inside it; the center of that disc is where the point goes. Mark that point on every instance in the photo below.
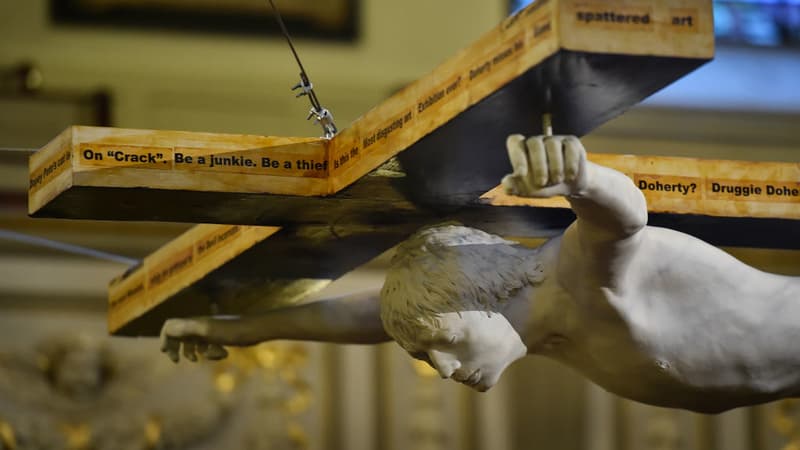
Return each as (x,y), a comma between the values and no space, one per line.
(445,364)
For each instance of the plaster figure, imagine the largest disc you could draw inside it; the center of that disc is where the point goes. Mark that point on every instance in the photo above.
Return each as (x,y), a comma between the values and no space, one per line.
(648,313)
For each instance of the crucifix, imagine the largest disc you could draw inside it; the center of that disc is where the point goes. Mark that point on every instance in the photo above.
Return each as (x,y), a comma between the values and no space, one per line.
(435,150)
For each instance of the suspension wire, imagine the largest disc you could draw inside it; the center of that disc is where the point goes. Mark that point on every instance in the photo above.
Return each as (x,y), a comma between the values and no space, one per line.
(56,245)
(303,74)
(64,247)
(321,114)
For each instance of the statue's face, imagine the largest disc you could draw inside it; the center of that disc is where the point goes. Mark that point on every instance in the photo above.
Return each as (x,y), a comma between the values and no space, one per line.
(472,348)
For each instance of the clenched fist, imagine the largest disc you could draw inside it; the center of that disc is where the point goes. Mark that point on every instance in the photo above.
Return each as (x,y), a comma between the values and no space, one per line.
(194,335)
(545,166)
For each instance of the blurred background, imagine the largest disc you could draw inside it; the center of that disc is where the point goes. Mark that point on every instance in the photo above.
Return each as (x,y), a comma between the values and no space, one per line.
(213,66)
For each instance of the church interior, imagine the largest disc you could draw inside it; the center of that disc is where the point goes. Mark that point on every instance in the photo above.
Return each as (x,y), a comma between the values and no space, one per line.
(224,67)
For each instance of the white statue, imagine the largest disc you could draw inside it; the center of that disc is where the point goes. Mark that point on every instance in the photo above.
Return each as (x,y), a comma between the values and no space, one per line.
(648,313)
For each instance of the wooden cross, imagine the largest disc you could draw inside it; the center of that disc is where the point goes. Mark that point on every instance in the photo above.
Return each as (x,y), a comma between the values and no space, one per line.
(431,152)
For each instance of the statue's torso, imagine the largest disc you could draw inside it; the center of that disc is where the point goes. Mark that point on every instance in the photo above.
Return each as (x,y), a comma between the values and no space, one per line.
(684,325)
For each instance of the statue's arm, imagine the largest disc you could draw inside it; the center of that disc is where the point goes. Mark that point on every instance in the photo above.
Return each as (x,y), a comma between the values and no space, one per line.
(598,247)
(353,319)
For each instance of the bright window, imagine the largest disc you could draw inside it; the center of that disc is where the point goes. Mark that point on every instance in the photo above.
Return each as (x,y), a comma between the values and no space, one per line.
(769,23)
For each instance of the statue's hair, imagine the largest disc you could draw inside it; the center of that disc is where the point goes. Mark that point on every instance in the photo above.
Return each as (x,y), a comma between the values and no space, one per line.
(451,268)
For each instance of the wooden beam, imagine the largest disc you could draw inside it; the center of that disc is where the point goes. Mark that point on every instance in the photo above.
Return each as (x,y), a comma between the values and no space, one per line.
(584,62)
(726,203)
(115,159)
(721,188)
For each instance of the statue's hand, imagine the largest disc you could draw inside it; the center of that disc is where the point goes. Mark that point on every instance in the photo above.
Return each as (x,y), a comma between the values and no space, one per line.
(194,335)
(545,166)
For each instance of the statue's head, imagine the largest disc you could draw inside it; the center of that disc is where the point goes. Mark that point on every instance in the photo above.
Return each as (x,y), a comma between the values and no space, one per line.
(445,296)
